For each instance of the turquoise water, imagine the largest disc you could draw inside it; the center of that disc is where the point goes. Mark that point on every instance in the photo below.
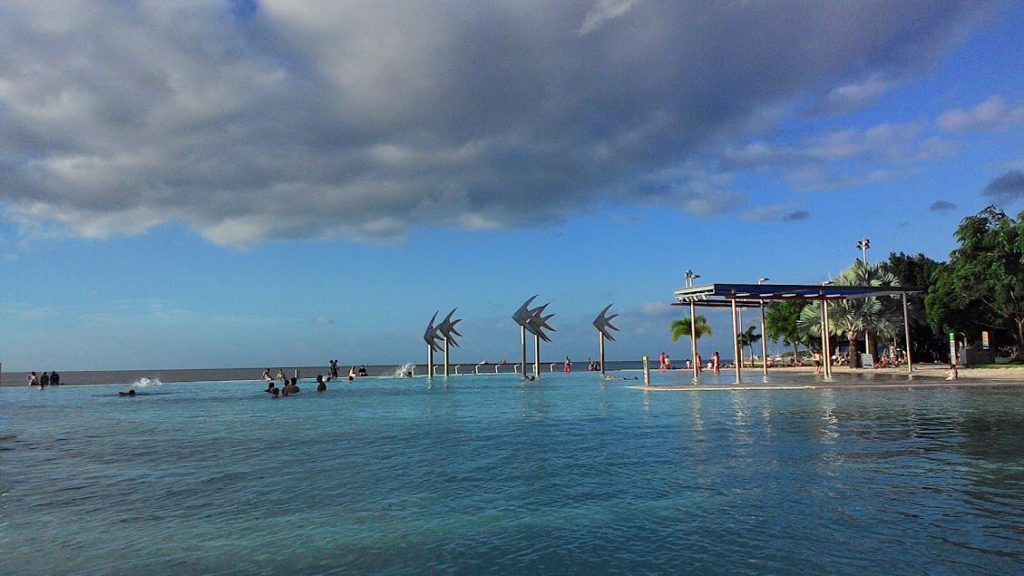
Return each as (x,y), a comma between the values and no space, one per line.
(491,475)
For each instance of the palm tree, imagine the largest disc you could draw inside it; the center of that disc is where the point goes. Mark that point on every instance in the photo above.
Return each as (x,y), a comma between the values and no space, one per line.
(851,317)
(748,338)
(681,327)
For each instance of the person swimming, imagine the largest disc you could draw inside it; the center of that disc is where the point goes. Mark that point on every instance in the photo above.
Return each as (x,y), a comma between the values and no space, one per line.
(321,385)
(130,393)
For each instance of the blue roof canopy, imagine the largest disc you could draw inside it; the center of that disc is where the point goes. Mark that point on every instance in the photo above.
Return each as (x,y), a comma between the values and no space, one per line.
(752,295)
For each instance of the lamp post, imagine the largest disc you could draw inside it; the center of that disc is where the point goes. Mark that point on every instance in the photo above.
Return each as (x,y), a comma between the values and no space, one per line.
(690,277)
(764,337)
(863,246)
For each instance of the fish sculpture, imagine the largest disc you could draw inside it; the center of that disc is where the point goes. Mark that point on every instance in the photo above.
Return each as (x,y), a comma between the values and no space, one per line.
(603,323)
(447,328)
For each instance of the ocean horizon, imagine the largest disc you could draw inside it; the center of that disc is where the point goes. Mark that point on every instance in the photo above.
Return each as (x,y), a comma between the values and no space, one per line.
(170,375)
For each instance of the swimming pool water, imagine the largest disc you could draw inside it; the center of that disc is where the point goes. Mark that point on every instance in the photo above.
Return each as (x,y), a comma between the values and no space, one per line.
(569,474)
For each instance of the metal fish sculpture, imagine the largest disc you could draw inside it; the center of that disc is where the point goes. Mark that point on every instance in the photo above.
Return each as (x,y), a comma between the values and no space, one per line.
(603,323)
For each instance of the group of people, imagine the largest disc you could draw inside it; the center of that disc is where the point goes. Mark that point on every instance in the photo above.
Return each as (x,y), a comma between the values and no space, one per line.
(290,386)
(47,379)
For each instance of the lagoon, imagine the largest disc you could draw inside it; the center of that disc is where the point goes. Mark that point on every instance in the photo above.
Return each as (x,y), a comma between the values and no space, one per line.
(569,474)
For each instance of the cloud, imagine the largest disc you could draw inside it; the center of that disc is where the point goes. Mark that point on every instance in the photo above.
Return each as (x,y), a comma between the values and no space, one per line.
(1007,188)
(776,213)
(992,114)
(851,98)
(604,11)
(287,119)
(942,206)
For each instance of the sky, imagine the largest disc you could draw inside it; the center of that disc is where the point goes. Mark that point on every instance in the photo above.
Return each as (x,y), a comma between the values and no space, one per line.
(282,182)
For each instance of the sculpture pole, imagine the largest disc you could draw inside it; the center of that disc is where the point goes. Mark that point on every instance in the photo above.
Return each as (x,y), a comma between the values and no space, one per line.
(536,356)
(603,323)
(430,361)
(522,340)
(445,357)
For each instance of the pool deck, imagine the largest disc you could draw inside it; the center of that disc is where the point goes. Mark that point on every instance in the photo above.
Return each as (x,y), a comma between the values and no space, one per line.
(926,376)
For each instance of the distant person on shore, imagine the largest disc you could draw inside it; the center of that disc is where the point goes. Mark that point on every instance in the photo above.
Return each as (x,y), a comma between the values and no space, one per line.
(716,363)
(54,378)
(817,362)
(953,374)
(280,375)
(266,375)
(668,362)
(33,380)
(568,365)
(334,369)
(700,363)
(362,370)
(661,361)
(321,386)
(44,380)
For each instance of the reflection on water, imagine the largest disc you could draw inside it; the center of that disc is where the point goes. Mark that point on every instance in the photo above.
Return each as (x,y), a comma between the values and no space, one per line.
(570,474)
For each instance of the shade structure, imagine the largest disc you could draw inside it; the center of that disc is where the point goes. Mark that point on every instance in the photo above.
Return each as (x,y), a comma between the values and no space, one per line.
(737,296)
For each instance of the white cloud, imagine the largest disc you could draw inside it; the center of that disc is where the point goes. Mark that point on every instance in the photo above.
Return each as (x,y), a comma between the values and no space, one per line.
(850,98)
(303,119)
(602,12)
(992,114)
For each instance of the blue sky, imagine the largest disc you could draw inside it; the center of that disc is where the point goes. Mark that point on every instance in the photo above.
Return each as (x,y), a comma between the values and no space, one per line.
(204,184)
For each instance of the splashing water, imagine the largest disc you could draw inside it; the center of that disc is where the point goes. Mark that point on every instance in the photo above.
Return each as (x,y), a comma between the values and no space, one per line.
(143,382)
(405,370)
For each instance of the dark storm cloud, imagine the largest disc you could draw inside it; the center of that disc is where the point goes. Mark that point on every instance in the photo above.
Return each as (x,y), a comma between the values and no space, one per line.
(278,119)
(1007,188)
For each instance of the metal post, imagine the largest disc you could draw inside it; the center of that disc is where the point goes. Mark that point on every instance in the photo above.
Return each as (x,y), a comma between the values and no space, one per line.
(764,343)
(445,357)
(536,356)
(601,339)
(693,340)
(736,343)
(906,328)
(522,340)
(825,343)
(430,361)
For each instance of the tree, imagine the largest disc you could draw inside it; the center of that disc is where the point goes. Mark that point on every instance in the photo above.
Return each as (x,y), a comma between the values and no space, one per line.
(918,271)
(780,319)
(748,338)
(681,328)
(850,317)
(983,283)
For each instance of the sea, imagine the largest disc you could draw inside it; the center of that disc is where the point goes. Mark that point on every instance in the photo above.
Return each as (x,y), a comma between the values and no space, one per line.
(491,474)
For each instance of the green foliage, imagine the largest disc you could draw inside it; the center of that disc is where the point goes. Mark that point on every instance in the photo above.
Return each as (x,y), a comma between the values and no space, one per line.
(982,286)
(748,338)
(882,315)
(681,327)
(918,271)
(780,320)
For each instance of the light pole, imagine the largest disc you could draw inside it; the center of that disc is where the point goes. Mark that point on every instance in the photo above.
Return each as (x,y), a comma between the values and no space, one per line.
(764,337)
(690,277)
(863,246)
